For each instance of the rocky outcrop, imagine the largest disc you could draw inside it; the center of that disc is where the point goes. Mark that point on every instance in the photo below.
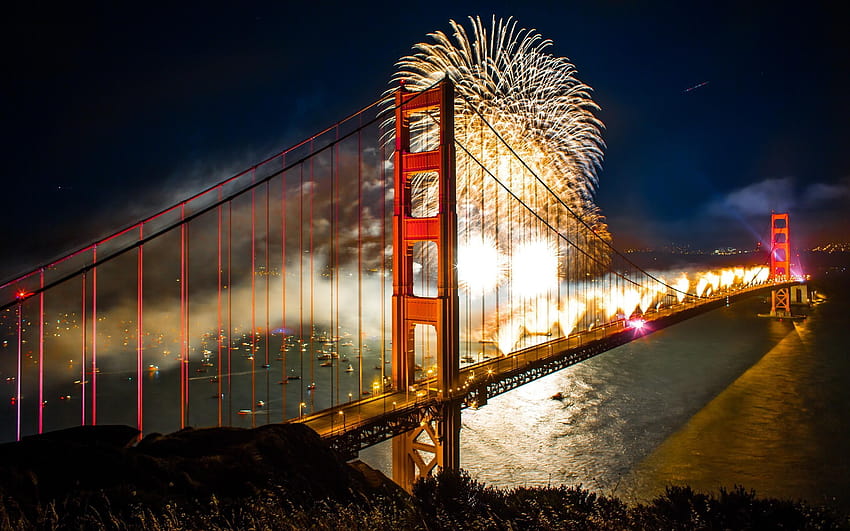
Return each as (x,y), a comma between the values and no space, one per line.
(191,464)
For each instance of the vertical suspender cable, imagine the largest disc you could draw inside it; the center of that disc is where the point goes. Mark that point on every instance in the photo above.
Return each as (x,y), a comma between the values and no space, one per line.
(94,337)
(18,373)
(360,258)
(139,332)
(182,280)
(383,259)
(41,353)
(497,243)
(334,280)
(312,288)
(301,283)
(268,336)
(218,328)
(230,313)
(510,264)
(187,332)
(84,328)
(283,347)
(482,229)
(253,301)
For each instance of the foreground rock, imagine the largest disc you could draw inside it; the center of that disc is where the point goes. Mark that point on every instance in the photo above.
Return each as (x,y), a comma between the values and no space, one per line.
(230,463)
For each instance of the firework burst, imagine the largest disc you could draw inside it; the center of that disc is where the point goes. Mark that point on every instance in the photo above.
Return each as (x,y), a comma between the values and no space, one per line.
(522,117)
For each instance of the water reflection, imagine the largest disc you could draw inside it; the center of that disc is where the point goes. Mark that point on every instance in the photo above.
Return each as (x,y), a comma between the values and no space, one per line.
(720,399)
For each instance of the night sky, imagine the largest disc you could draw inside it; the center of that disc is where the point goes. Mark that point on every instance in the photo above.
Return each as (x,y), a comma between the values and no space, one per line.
(112,113)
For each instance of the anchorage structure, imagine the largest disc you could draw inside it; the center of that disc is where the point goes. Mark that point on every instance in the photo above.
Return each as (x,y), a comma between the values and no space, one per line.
(438,434)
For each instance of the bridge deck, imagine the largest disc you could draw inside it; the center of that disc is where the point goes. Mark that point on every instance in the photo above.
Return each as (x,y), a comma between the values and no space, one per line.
(362,423)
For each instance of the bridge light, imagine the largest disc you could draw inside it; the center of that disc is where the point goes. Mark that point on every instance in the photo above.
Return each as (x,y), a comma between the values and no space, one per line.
(637,324)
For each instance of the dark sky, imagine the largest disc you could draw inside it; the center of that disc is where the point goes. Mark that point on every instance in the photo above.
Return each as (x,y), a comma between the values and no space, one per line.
(111,112)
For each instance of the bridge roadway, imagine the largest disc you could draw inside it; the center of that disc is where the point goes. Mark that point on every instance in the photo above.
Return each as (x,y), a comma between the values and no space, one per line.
(362,423)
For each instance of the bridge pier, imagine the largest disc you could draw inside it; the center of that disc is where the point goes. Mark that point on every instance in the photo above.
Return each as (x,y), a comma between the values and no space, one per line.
(435,443)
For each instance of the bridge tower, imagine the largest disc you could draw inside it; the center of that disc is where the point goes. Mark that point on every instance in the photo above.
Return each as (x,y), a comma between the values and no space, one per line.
(439,434)
(780,264)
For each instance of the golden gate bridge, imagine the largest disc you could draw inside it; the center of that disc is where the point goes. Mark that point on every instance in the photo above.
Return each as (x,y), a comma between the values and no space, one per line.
(371,282)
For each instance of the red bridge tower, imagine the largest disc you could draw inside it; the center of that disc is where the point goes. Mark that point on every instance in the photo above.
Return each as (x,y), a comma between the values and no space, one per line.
(436,441)
(780,264)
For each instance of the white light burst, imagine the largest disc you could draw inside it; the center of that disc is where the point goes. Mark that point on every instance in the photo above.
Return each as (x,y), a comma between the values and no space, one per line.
(534,268)
(480,267)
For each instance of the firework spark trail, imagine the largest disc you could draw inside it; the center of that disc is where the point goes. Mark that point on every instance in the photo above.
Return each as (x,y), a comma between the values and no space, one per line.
(593,306)
(539,108)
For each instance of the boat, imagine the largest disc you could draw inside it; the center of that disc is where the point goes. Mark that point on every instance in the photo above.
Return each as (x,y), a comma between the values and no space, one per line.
(557,396)
(328,363)
(349,369)
(311,386)
(293,377)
